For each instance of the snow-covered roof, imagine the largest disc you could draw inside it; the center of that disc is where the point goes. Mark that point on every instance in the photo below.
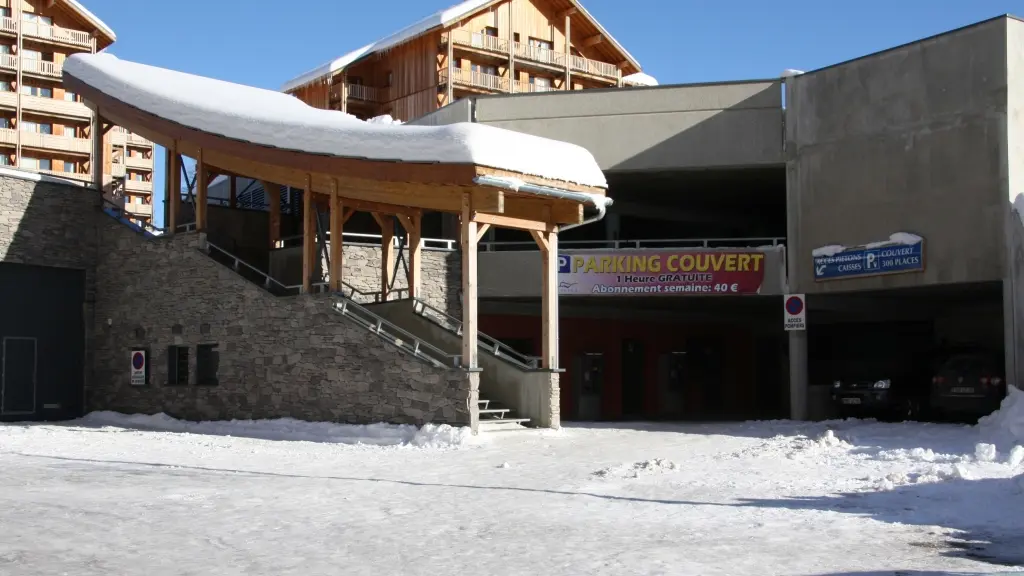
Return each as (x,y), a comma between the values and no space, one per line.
(274,119)
(85,13)
(440,18)
(640,79)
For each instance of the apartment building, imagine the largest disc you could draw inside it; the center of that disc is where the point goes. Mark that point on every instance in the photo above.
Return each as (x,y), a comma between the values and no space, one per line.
(45,128)
(475,47)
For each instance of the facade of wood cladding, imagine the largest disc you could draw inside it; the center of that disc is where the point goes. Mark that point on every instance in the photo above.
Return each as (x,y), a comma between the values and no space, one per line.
(410,80)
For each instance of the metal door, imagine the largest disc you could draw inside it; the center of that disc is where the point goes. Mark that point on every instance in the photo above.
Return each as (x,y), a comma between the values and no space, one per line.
(18,377)
(589,385)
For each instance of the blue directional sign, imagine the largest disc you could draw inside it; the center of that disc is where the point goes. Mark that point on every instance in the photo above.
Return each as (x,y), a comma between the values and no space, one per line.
(870,261)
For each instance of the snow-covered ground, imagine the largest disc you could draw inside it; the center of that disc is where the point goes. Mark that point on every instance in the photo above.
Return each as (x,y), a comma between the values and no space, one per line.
(149,495)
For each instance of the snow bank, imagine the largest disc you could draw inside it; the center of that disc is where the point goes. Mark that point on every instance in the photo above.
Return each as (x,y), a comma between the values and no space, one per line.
(429,436)
(902,238)
(1018,207)
(1005,427)
(274,119)
(636,469)
(640,79)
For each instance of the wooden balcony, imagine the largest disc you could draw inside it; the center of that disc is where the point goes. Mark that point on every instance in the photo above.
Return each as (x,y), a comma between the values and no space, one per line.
(525,87)
(8,100)
(138,185)
(366,93)
(539,55)
(593,67)
(58,34)
(136,140)
(477,80)
(117,169)
(137,209)
(138,162)
(9,62)
(78,176)
(61,143)
(42,68)
(479,41)
(55,107)
(8,25)
(8,136)
(118,136)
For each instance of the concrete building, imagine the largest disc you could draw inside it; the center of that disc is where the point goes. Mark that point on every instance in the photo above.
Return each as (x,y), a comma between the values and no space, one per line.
(47,129)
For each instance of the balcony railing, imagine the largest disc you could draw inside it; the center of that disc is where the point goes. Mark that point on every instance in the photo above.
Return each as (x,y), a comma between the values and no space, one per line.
(523,87)
(480,41)
(539,54)
(79,176)
(9,99)
(55,106)
(138,162)
(138,185)
(118,136)
(8,25)
(9,62)
(53,142)
(8,136)
(117,169)
(139,209)
(477,80)
(593,67)
(57,34)
(360,92)
(139,141)
(42,67)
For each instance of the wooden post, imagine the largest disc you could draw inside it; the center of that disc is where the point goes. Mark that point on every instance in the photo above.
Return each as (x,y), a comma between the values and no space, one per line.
(308,236)
(511,52)
(232,191)
(173,178)
(568,51)
(337,224)
(344,91)
(469,324)
(415,224)
(548,243)
(387,252)
(201,182)
(451,69)
(95,158)
(273,192)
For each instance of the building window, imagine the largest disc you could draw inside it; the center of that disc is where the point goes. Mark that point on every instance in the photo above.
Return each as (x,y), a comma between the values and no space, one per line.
(36,163)
(177,365)
(540,83)
(391,76)
(5,122)
(30,17)
(5,12)
(542,44)
(5,86)
(70,97)
(485,69)
(515,36)
(70,167)
(491,31)
(207,364)
(5,160)
(37,127)
(37,91)
(457,63)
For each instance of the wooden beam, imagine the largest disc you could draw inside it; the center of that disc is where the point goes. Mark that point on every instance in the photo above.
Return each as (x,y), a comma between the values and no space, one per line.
(413,229)
(540,239)
(348,214)
(308,238)
(173,177)
(549,298)
(387,254)
(232,191)
(273,192)
(376,207)
(592,41)
(568,48)
(509,222)
(568,12)
(337,240)
(481,230)
(469,287)
(561,211)
(201,185)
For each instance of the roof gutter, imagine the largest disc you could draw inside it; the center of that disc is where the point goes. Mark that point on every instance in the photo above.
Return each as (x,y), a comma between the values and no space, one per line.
(600,203)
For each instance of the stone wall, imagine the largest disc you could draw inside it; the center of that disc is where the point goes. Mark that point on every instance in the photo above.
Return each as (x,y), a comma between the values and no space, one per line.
(279,356)
(441,271)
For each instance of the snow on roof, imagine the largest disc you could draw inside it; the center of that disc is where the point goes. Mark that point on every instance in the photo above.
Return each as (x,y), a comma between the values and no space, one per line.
(271,118)
(77,6)
(640,79)
(439,18)
(411,31)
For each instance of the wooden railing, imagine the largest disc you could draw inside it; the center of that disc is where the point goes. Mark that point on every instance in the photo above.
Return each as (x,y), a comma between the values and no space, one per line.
(53,142)
(594,67)
(8,136)
(478,80)
(42,67)
(138,140)
(361,92)
(117,169)
(79,176)
(538,54)
(480,41)
(57,34)
(138,162)
(9,61)
(9,25)
(55,106)
(138,185)
(523,87)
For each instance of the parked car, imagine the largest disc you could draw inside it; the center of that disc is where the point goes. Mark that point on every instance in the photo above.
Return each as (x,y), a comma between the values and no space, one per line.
(968,384)
(877,390)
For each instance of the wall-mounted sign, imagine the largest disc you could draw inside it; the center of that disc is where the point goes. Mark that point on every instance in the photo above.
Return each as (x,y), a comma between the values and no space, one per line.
(138,368)
(659,272)
(900,254)
(796,312)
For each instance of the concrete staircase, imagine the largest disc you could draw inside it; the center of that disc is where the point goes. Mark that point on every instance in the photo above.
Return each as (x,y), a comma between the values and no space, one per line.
(494,417)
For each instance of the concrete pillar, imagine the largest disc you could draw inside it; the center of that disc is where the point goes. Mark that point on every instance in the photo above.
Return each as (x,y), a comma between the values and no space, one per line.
(796,255)
(798,381)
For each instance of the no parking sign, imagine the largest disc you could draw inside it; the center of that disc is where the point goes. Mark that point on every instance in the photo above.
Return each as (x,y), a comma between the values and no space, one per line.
(138,368)
(796,312)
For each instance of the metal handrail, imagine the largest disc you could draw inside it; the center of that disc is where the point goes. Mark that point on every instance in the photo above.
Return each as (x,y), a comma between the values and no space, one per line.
(119,215)
(649,243)
(324,287)
(238,263)
(395,335)
(187,227)
(484,342)
(445,244)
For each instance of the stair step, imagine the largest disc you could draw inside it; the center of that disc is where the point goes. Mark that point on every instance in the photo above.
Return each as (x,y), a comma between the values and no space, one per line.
(504,421)
(501,411)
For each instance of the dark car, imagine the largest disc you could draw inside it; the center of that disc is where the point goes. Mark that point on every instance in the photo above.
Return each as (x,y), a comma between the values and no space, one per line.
(876,390)
(968,384)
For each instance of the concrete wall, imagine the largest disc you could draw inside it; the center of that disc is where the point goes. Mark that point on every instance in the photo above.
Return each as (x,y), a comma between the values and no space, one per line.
(661,128)
(1013,293)
(459,111)
(518,274)
(908,140)
(289,356)
(441,270)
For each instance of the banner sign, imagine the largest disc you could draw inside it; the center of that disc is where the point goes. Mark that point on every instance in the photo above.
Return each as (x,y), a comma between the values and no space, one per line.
(906,254)
(659,272)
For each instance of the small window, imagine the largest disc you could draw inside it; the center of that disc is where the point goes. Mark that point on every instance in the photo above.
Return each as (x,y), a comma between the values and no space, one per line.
(177,365)
(70,97)
(207,364)
(391,77)
(515,36)
(45,164)
(491,31)
(70,167)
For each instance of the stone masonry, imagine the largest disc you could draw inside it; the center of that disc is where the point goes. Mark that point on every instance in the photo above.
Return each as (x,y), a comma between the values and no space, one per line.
(278,356)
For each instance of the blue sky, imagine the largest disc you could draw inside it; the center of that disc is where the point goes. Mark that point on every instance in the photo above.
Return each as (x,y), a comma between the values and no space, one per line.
(263,43)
